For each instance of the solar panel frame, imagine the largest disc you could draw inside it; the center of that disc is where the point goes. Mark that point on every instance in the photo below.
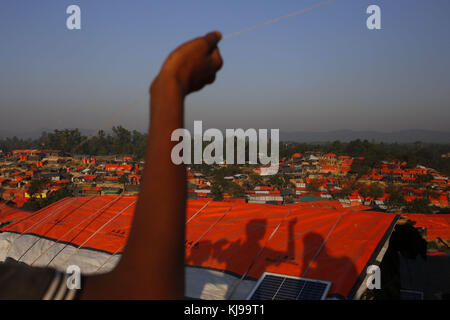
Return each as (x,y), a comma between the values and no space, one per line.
(280,279)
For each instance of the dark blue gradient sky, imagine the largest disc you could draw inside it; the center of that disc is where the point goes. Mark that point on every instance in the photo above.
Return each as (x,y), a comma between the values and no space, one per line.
(319,71)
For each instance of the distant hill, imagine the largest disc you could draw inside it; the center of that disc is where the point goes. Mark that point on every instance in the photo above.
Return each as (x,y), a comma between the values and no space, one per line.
(402,136)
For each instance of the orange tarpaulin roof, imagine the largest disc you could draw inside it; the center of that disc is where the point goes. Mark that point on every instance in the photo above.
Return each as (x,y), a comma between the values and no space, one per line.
(319,240)
(9,214)
(438,225)
(74,220)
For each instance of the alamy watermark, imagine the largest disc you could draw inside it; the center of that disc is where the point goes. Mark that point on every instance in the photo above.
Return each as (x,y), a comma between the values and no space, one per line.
(73,22)
(374,279)
(213,153)
(74,279)
(373,22)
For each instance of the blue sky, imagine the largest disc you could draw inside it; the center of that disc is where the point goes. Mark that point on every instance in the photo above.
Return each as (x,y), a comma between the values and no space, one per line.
(319,71)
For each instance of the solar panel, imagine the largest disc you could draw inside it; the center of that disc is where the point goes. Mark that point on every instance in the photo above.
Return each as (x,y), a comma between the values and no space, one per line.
(272,286)
(411,295)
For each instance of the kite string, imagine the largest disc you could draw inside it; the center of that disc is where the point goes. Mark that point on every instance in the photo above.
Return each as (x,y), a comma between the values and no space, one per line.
(106,125)
(289,15)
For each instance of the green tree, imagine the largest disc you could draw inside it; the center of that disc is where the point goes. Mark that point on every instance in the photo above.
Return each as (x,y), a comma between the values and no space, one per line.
(396,201)
(123,179)
(360,167)
(122,143)
(37,186)
(375,191)
(424,178)
(336,147)
(255,179)
(419,206)
(235,189)
(276,181)
(34,204)
(216,192)
(364,192)
(344,193)
(313,186)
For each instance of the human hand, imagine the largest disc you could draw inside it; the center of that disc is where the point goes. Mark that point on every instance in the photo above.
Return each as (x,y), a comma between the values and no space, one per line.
(195,63)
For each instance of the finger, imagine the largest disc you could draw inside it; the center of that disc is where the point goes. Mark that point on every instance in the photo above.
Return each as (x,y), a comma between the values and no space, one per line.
(216,59)
(210,79)
(212,39)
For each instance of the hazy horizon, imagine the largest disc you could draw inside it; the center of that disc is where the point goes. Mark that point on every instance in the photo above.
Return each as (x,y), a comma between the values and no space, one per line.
(318,72)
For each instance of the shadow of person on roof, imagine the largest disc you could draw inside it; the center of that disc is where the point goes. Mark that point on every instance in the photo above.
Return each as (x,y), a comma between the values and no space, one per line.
(319,264)
(254,244)
(240,256)
(199,253)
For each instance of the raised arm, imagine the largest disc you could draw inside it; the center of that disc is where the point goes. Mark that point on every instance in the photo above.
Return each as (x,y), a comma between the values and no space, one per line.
(152,265)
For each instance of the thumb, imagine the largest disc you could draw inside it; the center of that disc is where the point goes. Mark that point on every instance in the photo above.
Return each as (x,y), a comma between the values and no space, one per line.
(212,39)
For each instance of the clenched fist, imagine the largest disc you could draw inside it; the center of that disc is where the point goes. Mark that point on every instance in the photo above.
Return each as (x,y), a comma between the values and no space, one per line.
(195,63)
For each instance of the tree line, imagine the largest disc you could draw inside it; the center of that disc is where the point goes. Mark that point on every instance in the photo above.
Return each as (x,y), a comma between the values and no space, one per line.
(119,141)
(418,153)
